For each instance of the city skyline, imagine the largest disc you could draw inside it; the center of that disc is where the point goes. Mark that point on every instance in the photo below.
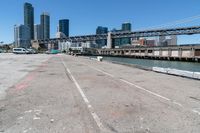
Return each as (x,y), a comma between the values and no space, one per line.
(94,18)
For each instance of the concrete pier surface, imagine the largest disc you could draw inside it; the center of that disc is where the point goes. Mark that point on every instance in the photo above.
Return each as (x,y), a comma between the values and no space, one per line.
(66,94)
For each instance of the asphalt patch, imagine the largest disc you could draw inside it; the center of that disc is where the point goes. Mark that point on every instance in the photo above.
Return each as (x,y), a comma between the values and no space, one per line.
(100,75)
(52,74)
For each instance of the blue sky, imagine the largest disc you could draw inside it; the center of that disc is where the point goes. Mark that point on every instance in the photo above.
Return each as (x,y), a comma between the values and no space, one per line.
(86,15)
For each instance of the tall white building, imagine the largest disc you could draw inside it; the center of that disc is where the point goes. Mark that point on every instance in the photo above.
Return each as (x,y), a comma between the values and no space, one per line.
(22,36)
(37,32)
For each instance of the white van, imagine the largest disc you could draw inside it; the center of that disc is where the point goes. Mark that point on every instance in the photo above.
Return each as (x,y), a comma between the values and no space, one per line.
(20,51)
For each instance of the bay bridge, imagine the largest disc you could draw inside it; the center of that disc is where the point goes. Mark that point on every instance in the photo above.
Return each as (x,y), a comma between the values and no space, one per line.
(135,34)
(190,52)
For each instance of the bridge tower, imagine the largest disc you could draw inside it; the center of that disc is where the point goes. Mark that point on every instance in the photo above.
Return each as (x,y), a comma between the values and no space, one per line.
(109,40)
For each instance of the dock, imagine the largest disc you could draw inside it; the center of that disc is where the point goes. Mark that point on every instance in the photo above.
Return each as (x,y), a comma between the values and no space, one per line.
(63,93)
(178,53)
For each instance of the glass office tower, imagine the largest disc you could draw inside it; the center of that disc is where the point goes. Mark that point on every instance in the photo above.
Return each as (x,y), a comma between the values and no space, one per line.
(29,18)
(45,25)
(126,27)
(64,26)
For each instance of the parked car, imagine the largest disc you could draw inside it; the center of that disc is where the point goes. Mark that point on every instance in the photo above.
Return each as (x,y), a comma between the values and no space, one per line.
(20,51)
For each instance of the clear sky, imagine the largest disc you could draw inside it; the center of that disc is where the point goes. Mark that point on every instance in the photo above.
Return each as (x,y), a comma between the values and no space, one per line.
(86,15)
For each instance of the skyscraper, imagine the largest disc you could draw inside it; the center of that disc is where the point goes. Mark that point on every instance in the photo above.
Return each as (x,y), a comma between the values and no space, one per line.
(127,40)
(126,27)
(45,25)
(101,42)
(37,32)
(64,26)
(22,36)
(101,30)
(29,18)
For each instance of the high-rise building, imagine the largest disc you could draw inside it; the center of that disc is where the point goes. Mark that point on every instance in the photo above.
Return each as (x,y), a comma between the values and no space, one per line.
(101,30)
(45,25)
(37,32)
(22,36)
(126,27)
(64,26)
(29,18)
(101,42)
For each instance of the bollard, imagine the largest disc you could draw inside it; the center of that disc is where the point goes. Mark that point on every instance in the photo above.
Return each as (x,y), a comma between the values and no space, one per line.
(99,58)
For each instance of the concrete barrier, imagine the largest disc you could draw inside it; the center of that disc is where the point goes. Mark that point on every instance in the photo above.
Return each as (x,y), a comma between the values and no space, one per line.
(160,69)
(181,73)
(189,74)
(94,59)
(196,75)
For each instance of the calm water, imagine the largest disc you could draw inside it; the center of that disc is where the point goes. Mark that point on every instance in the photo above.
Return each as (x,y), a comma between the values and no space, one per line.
(189,66)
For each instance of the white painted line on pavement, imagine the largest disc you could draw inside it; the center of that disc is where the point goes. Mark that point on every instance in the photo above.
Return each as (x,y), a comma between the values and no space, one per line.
(195,111)
(178,104)
(127,82)
(90,108)
(153,93)
(141,88)
(103,72)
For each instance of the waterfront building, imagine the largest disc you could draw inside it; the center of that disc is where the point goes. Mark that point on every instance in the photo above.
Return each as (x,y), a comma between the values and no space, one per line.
(64,46)
(173,40)
(135,42)
(37,32)
(22,36)
(45,25)
(126,27)
(64,26)
(162,41)
(29,18)
(167,40)
(149,43)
